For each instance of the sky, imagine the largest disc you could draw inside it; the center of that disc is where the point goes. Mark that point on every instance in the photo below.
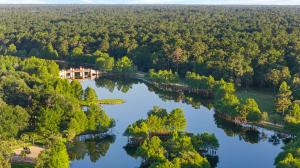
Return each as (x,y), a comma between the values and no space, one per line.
(215,2)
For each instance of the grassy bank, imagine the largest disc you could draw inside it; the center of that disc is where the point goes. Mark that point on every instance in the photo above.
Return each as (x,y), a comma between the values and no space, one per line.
(265,99)
(105,101)
(111,101)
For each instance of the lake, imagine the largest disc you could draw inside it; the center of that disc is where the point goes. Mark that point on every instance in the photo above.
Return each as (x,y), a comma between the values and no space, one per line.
(239,147)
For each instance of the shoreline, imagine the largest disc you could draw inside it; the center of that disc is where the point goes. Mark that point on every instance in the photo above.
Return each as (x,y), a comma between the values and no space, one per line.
(141,76)
(264,124)
(178,87)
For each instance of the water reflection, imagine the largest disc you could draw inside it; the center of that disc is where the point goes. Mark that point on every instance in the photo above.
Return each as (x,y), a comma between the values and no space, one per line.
(120,83)
(186,98)
(248,134)
(125,84)
(213,160)
(131,150)
(261,144)
(94,146)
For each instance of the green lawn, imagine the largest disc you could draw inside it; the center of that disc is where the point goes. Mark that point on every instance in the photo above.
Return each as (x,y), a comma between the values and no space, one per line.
(265,99)
(22,165)
(111,101)
(105,101)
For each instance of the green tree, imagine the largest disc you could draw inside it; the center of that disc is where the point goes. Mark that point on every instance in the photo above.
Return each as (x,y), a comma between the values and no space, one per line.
(77,51)
(193,159)
(49,120)
(178,144)
(50,51)
(64,48)
(13,120)
(292,119)
(54,157)
(289,162)
(4,162)
(124,65)
(164,76)
(12,49)
(228,105)
(77,89)
(98,120)
(166,164)
(249,106)
(283,98)
(104,46)
(237,67)
(222,88)
(275,76)
(198,50)
(176,120)
(296,87)
(6,152)
(151,150)
(178,57)
(104,62)
(90,95)
(159,112)
(254,116)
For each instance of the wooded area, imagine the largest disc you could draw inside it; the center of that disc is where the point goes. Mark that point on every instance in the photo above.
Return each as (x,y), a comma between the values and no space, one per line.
(217,48)
(257,46)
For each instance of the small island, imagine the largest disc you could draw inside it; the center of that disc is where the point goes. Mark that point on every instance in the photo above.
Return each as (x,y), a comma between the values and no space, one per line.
(161,141)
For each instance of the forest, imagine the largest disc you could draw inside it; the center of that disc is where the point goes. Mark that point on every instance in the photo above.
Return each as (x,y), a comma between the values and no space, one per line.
(38,107)
(250,46)
(218,49)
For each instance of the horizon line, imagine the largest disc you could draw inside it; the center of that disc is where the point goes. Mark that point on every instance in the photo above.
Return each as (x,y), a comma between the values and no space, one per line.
(183,4)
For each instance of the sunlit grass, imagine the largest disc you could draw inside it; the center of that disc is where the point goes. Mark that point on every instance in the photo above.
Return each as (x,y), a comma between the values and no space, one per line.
(111,101)
(265,99)
(104,101)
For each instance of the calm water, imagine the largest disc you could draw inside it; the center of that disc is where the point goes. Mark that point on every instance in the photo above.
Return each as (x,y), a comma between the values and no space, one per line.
(239,147)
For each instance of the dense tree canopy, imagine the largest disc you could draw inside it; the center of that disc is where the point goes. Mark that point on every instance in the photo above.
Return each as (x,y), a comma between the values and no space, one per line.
(165,144)
(13,120)
(165,76)
(245,45)
(90,95)
(54,157)
(216,48)
(36,105)
(158,121)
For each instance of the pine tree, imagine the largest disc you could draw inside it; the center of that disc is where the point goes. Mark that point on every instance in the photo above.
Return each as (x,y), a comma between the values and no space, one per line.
(283,98)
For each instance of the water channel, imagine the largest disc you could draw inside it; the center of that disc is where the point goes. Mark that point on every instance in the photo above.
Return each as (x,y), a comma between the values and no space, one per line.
(239,147)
